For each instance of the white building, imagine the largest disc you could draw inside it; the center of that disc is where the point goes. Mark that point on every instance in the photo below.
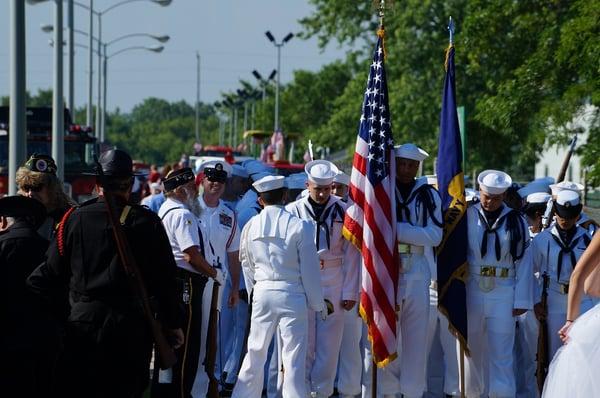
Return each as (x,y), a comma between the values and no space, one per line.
(551,160)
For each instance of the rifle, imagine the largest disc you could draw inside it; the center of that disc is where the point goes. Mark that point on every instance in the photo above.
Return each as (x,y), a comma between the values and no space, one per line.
(549,213)
(211,344)
(543,360)
(566,160)
(166,354)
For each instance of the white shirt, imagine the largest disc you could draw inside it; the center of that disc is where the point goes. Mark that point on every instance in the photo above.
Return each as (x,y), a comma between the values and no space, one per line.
(278,251)
(418,231)
(182,228)
(223,231)
(339,249)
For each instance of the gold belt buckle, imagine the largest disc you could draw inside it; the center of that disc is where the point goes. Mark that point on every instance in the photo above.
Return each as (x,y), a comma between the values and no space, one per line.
(488,271)
(564,288)
(403,248)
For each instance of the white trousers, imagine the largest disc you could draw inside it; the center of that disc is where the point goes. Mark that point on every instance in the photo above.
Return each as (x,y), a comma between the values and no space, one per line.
(525,355)
(406,374)
(447,363)
(324,341)
(489,371)
(350,361)
(270,309)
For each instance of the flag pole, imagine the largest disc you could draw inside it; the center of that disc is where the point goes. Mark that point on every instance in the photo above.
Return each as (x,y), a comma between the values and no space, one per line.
(451,29)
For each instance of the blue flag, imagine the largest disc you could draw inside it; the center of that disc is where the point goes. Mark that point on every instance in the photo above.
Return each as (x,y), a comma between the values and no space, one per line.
(452,252)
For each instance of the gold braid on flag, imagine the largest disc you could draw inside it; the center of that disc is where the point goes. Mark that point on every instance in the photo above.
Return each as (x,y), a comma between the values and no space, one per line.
(450,46)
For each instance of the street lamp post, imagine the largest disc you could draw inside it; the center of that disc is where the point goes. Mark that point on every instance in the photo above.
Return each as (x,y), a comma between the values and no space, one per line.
(58,126)
(17,141)
(271,38)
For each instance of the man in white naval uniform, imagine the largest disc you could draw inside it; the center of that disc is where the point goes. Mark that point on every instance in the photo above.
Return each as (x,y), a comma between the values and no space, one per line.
(498,288)
(419,226)
(527,325)
(280,265)
(553,253)
(224,237)
(339,263)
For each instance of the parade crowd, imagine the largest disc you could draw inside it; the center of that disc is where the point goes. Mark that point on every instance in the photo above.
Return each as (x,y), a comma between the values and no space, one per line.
(266,253)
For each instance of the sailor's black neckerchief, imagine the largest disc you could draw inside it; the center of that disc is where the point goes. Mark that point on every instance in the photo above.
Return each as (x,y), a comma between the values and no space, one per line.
(492,220)
(320,213)
(566,243)
(423,197)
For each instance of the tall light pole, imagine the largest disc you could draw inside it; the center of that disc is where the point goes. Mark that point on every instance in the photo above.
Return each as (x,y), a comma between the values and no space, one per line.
(271,38)
(58,125)
(90,91)
(17,140)
(197,97)
(71,59)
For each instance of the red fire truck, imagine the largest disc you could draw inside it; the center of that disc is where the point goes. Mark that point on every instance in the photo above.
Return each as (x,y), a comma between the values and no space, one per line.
(79,149)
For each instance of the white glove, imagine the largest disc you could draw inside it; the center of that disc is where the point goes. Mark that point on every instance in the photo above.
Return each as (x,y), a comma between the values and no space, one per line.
(324,314)
(219,277)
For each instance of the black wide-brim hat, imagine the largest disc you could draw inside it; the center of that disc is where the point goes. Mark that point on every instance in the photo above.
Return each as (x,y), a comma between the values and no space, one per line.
(114,163)
(21,206)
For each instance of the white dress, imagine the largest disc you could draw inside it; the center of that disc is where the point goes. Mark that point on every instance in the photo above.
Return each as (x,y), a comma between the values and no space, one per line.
(574,369)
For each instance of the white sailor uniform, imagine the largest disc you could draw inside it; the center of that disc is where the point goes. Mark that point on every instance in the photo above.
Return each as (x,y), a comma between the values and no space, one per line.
(280,263)
(339,278)
(550,256)
(497,284)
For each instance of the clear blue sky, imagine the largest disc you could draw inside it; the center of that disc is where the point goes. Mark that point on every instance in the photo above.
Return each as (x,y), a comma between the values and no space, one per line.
(229,34)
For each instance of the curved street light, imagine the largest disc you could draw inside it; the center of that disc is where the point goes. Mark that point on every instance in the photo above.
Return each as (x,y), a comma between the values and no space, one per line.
(271,38)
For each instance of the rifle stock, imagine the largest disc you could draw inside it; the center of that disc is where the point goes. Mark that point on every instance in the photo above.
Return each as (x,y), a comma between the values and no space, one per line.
(543,359)
(211,344)
(166,354)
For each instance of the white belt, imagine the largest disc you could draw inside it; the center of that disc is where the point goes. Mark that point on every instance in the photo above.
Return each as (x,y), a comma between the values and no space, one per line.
(331,263)
(406,249)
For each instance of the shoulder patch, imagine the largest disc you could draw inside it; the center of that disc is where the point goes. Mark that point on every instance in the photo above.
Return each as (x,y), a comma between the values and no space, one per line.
(225,220)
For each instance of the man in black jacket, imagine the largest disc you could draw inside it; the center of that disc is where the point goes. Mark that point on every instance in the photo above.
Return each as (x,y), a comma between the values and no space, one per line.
(24,336)
(108,342)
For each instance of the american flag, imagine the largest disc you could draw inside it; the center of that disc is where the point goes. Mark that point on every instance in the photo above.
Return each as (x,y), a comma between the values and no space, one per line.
(370,223)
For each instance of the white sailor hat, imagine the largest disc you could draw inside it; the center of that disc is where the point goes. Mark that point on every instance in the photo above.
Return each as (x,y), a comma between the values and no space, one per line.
(342,178)
(212,164)
(296,181)
(410,151)
(494,182)
(239,171)
(269,183)
(321,172)
(533,187)
(538,197)
(568,204)
(566,186)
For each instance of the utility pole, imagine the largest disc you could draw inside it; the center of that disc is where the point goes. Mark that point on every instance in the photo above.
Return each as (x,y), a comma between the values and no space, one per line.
(17,139)
(88,115)
(58,126)
(71,60)
(197,97)
(99,108)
